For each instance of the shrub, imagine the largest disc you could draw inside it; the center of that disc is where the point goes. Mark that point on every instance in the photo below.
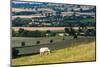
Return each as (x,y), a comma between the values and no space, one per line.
(51,41)
(63,39)
(38,42)
(23,44)
(48,31)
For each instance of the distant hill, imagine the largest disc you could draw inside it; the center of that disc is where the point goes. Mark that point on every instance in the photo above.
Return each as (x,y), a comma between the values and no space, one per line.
(27,4)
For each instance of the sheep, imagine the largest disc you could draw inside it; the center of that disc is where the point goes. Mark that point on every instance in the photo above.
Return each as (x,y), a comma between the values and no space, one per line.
(44,50)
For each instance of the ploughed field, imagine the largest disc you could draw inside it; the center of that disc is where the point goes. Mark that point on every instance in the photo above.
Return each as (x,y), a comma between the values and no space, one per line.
(70,50)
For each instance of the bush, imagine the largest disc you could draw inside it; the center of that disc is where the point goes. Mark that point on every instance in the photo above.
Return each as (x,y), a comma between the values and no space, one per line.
(90,32)
(38,42)
(48,31)
(53,34)
(63,39)
(66,30)
(20,30)
(51,41)
(37,33)
(23,44)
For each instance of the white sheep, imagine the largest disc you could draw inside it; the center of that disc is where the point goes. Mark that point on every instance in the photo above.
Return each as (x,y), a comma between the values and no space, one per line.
(44,50)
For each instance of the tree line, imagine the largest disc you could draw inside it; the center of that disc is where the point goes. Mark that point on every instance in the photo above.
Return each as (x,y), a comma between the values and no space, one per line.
(54,21)
(26,33)
(70,31)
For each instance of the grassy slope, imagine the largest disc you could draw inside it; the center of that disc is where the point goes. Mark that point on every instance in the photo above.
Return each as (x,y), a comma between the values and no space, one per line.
(16,41)
(82,52)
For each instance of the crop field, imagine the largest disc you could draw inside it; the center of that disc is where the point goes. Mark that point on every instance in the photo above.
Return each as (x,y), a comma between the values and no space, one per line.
(81,49)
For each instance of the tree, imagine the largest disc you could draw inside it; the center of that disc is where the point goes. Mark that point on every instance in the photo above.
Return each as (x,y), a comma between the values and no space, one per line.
(14,52)
(70,31)
(48,31)
(75,36)
(13,32)
(17,22)
(37,33)
(90,32)
(20,32)
(66,30)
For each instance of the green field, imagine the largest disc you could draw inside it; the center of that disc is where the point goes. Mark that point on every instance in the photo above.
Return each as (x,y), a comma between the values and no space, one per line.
(88,20)
(81,49)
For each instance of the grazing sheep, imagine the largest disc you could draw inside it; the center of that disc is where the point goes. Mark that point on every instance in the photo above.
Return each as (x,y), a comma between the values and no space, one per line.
(44,50)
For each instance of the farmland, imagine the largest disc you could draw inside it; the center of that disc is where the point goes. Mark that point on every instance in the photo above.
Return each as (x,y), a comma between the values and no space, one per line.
(38,28)
(81,49)
(69,31)
(46,28)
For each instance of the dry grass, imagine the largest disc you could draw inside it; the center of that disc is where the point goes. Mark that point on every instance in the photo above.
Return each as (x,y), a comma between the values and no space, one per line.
(82,52)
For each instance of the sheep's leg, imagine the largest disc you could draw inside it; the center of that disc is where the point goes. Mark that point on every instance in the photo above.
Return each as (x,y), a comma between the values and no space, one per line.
(48,52)
(45,53)
(41,53)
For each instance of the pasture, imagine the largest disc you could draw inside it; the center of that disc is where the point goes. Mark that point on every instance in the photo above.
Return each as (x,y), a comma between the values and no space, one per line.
(16,41)
(81,49)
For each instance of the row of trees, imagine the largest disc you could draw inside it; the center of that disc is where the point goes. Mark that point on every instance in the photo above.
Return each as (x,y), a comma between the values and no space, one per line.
(70,31)
(82,31)
(26,33)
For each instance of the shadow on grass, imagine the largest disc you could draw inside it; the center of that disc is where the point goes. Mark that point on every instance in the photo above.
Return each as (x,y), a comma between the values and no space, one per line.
(22,55)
